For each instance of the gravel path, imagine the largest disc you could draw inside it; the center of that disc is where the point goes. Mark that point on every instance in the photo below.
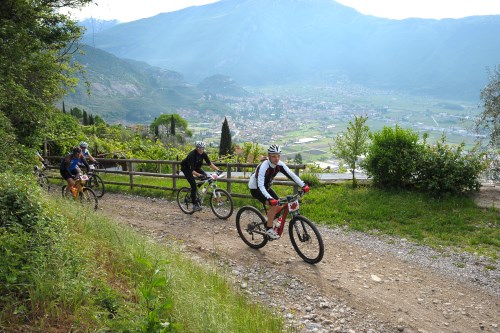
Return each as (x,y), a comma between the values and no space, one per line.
(364,283)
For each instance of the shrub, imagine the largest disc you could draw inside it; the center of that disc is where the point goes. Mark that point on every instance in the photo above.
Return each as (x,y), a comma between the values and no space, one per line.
(449,170)
(19,204)
(393,157)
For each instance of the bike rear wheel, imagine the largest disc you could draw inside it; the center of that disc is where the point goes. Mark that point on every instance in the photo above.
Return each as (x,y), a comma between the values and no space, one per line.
(96,184)
(251,226)
(306,239)
(184,200)
(221,204)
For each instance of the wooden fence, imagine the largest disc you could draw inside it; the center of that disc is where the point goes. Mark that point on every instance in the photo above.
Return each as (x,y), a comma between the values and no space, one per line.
(128,167)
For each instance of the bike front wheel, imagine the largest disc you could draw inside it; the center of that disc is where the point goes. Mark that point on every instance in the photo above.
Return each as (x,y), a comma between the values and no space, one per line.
(87,197)
(306,239)
(96,184)
(184,200)
(221,203)
(251,226)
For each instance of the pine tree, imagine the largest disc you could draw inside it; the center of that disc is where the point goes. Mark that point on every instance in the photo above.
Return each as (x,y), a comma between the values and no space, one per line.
(225,140)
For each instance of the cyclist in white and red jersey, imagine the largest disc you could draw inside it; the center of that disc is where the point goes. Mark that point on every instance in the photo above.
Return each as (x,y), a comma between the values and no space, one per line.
(261,180)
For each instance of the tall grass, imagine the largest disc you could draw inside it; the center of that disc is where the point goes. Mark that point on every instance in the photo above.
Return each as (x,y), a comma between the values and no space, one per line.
(78,271)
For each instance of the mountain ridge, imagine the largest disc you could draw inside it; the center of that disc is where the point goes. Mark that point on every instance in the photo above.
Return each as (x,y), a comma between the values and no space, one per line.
(258,42)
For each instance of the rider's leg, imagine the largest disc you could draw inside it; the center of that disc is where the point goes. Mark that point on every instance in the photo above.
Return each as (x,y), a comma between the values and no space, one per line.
(271,213)
(192,182)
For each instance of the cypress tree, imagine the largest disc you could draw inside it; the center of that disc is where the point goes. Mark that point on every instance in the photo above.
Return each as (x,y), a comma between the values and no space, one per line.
(85,118)
(172,125)
(225,140)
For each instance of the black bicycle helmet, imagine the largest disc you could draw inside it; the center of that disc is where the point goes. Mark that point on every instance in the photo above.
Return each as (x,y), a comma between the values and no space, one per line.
(76,150)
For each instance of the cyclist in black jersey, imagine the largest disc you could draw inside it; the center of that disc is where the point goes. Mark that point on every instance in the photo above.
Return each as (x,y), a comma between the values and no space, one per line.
(261,180)
(191,167)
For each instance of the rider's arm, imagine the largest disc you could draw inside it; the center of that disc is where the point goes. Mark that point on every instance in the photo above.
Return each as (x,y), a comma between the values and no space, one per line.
(91,158)
(214,167)
(84,161)
(290,174)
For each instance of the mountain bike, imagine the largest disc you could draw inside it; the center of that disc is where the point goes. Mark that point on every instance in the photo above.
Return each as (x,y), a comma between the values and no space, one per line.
(304,235)
(83,194)
(95,181)
(42,179)
(220,200)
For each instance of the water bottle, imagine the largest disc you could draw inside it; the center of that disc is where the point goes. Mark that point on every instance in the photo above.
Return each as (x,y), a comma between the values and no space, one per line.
(277,224)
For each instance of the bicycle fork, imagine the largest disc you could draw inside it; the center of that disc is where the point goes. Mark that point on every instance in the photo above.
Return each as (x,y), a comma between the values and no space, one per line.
(301,230)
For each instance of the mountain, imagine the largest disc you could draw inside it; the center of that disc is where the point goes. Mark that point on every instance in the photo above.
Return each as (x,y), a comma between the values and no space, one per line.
(134,92)
(93,26)
(223,85)
(259,42)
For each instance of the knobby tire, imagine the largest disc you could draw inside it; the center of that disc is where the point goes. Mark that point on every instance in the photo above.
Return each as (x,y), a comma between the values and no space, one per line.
(221,204)
(306,239)
(184,200)
(251,226)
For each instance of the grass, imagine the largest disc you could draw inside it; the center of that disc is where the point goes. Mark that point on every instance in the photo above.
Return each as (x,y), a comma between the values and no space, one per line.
(453,222)
(97,276)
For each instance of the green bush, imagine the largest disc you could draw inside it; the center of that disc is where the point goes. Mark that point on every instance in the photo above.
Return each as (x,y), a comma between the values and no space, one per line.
(449,170)
(393,157)
(19,201)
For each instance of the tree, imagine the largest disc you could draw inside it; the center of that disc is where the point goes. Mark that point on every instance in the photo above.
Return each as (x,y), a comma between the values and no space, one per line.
(172,125)
(298,158)
(490,117)
(225,140)
(85,118)
(169,124)
(352,144)
(35,68)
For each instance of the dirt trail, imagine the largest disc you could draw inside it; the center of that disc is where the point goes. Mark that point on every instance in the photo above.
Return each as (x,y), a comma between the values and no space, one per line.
(398,294)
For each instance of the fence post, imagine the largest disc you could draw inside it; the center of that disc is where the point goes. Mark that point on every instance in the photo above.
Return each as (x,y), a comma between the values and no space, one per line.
(131,176)
(174,173)
(228,186)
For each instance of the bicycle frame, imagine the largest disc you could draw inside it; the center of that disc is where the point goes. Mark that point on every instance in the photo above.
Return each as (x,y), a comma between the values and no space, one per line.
(208,185)
(80,183)
(289,205)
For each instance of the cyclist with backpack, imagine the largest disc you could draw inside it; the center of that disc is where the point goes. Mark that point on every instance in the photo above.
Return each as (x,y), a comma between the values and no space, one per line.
(69,166)
(191,167)
(261,180)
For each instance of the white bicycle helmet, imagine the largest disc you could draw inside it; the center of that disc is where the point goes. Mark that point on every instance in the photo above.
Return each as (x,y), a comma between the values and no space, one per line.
(84,144)
(274,149)
(200,144)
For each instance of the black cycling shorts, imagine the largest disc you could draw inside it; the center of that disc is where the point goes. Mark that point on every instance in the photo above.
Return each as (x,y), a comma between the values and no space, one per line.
(66,175)
(257,194)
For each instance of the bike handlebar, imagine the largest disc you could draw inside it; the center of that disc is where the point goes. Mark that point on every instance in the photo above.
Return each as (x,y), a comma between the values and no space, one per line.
(291,198)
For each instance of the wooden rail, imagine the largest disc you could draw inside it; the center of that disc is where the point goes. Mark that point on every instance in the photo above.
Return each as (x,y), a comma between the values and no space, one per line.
(128,168)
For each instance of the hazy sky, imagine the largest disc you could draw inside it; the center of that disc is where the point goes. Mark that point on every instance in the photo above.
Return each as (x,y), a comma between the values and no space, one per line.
(130,10)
